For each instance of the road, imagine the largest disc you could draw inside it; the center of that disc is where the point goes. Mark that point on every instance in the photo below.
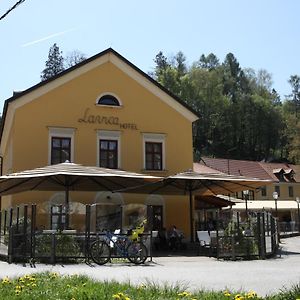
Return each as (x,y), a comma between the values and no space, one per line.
(262,276)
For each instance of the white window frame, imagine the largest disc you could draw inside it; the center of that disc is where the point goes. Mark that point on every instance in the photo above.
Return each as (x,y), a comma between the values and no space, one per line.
(57,199)
(111,94)
(155,138)
(61,132)
(112,135)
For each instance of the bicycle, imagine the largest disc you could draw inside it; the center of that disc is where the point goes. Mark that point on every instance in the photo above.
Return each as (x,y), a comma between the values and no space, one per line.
(130,247)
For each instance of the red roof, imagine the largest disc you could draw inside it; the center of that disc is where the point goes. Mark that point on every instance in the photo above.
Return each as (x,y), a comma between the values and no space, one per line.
(287,171)
(236,167)
(200,168)
(251,168)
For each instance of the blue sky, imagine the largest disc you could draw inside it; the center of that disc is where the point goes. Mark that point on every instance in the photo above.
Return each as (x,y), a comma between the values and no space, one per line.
(262,34)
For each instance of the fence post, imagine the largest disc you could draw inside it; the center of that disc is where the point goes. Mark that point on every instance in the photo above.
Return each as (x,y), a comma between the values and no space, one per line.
(53,248)
(262,235)
(10,245)
(274,234)
(11,211)
(233,256)
(87,229)
(32,231)
(259,238)
(121,212)
(18,216)
(60,227)
(0,224)
(4,223)
(238,220)
(217,231)
(25,228)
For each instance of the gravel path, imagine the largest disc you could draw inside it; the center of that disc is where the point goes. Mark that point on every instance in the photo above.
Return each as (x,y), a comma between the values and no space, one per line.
(263,276)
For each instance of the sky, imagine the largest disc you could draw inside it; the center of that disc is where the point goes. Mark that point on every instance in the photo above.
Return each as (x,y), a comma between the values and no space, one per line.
(262,34)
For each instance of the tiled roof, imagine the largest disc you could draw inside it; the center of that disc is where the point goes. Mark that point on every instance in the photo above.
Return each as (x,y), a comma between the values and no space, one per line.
(251,168)
(236,167)
(200,168)
(287,169)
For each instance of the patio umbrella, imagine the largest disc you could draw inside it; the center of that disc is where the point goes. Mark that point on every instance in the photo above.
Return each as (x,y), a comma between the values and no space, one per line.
(190,182)
(70,177)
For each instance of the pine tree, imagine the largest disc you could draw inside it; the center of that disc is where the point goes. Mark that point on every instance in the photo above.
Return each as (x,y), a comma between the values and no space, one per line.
(54,64)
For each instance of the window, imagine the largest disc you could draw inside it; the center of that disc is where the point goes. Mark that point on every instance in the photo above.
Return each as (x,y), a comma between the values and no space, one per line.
(154,152)
(291,191)
(60,150)
(277,189)
(109,143)
(263,191)
(58,217)
(153,156)
(109,154)
(109,100)
(61,145)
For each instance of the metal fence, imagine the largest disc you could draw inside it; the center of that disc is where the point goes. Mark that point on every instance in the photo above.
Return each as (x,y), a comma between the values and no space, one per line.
(22,241)
(255,237)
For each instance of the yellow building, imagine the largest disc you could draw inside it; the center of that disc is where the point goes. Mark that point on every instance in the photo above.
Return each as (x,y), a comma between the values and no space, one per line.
(102,112)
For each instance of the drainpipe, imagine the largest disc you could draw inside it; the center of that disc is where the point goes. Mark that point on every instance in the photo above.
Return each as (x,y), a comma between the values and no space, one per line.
(1,172)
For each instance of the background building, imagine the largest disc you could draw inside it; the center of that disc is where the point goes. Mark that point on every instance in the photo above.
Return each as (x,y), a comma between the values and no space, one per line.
(286,184)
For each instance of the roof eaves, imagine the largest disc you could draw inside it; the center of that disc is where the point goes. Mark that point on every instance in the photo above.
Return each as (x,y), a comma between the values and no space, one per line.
(108,50)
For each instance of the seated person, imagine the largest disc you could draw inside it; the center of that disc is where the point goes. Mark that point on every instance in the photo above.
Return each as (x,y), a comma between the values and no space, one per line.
(175,236)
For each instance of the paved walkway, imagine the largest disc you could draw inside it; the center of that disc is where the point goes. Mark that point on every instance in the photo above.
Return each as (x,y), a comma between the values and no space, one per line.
(263,276)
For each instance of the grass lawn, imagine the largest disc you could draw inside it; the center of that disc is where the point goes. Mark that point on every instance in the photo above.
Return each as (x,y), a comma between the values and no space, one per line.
(56,287)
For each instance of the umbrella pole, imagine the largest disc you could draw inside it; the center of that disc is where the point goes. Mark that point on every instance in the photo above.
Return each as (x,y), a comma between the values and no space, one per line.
(191,216)
(67,208)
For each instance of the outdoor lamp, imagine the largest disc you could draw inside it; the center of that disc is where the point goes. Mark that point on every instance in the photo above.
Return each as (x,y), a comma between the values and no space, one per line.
(246,196)
(275,197)
(298,202)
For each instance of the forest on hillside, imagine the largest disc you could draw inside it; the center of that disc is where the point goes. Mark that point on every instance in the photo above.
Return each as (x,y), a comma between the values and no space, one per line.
(241,115)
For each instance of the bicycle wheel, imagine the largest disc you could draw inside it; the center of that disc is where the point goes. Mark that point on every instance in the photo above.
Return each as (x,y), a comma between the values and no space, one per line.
(100,252)
(137,253)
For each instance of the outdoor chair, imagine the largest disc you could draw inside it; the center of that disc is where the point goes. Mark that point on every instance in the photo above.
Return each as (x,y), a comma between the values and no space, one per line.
(204,241)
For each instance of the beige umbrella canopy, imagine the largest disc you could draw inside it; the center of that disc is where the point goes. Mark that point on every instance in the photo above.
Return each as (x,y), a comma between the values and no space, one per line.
(189,183)
(200,184)
(71,177)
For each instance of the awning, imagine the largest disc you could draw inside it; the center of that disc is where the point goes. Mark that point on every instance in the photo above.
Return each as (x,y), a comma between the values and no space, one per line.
(267,205)
(206,202)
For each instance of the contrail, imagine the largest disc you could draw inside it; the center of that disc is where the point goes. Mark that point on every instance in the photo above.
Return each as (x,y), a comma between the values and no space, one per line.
(48,37)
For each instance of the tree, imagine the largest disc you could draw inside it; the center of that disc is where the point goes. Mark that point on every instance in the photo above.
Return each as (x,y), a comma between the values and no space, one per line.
(209,62)
(294,81)
(291,109)
(54,64)
(73,58)
(170,72)
(162,64)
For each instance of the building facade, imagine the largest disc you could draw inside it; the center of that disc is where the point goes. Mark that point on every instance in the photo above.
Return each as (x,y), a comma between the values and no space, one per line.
(102,112)
(286,185)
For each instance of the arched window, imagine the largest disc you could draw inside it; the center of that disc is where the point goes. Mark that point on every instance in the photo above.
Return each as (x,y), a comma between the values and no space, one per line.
(109,100)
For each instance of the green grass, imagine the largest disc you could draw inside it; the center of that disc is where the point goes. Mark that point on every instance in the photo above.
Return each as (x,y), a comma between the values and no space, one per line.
(56,287)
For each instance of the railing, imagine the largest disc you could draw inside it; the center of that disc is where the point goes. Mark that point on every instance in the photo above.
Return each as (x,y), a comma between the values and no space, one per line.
(255,238)
(64,246)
